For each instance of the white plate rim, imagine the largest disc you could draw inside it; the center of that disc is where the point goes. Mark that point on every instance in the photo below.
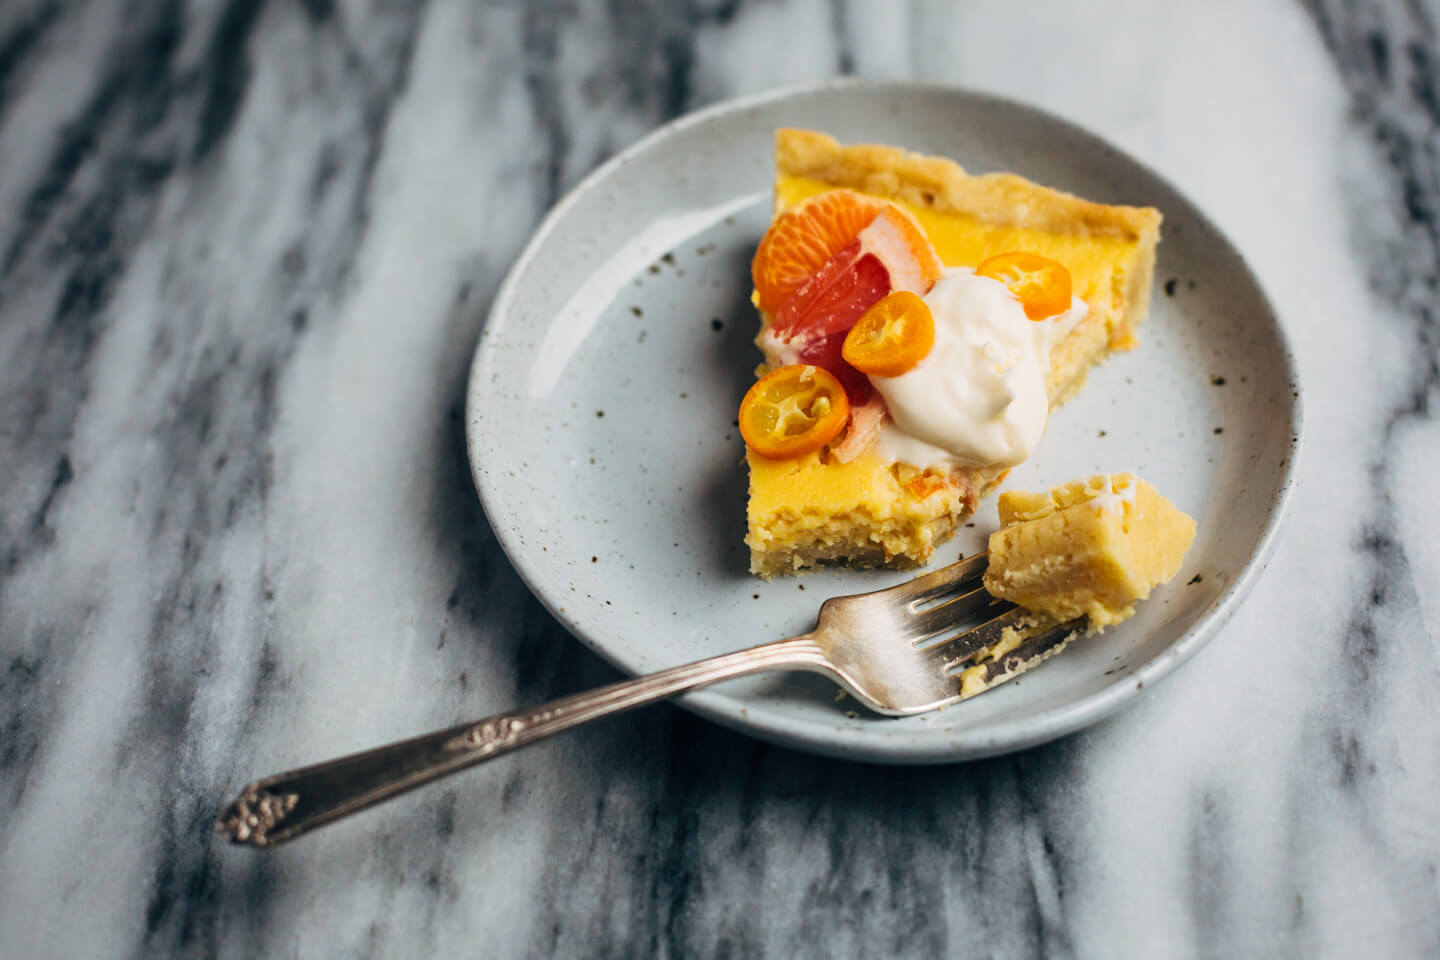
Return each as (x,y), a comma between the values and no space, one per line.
(854,744)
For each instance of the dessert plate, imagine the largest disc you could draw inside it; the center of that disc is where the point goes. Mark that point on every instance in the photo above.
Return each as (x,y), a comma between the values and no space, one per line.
(601,411)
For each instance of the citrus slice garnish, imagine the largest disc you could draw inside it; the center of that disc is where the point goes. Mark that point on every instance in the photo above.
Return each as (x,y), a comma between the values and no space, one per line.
(792,411)
(890,253)
(892,337)
(1040,284)
(803,238)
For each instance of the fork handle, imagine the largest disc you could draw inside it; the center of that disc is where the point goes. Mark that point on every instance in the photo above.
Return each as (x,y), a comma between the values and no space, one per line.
(282,807)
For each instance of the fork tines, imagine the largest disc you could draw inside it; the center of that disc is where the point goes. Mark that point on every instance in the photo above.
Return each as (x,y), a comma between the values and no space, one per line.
(948,581)
(1032,651)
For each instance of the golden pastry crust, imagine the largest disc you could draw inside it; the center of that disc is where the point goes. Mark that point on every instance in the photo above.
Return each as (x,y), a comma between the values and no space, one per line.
(941,184)
(1005,199)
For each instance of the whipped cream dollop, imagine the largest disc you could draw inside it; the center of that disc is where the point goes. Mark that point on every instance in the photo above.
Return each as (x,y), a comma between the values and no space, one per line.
(978,399)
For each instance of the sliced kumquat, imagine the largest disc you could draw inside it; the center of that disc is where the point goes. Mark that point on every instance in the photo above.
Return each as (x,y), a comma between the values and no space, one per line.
(1040,284)
(804,237)
(792,411)
(893,336)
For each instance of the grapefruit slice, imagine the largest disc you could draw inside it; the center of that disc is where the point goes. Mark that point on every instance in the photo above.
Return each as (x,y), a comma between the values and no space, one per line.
(890,253)
(803,238)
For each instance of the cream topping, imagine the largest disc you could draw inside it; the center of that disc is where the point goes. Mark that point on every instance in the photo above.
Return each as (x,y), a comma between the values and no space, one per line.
(780,353)
(978,399)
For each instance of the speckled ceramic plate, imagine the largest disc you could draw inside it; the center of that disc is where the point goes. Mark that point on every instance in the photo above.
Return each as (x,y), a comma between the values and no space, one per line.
(602,401)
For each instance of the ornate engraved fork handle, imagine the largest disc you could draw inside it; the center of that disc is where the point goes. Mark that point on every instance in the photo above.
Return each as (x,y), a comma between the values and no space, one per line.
(282,807)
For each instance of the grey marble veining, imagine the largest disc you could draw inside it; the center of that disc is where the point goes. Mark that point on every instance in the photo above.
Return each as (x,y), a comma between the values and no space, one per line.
(245,253)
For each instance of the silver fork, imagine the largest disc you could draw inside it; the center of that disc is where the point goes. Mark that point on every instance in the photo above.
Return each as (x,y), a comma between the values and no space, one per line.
(899,651)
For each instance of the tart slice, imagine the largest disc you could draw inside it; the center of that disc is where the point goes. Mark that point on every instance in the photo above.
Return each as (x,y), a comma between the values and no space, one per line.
(1024,288)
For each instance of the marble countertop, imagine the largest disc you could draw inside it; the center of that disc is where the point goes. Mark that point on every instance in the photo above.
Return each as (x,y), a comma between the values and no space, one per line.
(245,253)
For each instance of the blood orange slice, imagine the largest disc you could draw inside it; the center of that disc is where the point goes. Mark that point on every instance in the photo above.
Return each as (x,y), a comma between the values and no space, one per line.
(890,253)
(804,237)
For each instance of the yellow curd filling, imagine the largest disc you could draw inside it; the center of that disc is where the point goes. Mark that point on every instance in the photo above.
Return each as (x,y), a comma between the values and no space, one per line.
(1096,263)
(806,486)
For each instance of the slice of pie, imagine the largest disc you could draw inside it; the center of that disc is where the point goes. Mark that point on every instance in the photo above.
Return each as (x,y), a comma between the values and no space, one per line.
(897,246)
